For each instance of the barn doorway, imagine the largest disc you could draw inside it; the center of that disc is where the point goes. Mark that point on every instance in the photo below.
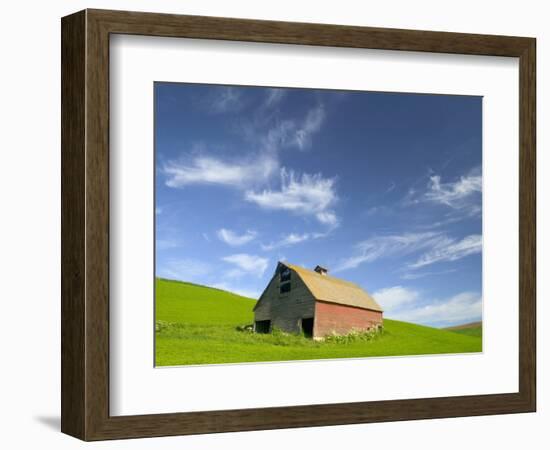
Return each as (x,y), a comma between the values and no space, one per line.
(307,327)
(263,326)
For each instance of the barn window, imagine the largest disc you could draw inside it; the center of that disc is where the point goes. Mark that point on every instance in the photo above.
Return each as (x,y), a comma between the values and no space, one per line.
(263,326)
(285,275)
(285,287)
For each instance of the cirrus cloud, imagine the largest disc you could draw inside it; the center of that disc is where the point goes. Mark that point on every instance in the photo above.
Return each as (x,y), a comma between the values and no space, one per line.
(301,137)
(306,194)
(234,239)
(225,99)
(454,194)
(385,246)
(450,250)
(462,196)
(246,264)
(435,247)
(210,170)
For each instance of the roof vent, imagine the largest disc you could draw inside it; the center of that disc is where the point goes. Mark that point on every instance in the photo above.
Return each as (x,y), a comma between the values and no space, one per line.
(321,270)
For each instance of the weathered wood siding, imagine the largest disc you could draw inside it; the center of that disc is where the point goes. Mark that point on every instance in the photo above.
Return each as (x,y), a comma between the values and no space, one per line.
(285,310)
(341,319)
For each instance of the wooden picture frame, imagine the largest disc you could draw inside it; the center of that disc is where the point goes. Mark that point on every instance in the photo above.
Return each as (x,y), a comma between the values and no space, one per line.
(85,224)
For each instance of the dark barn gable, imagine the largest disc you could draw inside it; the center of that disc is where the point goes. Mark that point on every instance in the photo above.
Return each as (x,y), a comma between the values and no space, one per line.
(285,310)
(299,300)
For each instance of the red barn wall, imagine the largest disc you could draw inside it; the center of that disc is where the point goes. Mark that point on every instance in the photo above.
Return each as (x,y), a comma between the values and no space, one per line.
(341,319)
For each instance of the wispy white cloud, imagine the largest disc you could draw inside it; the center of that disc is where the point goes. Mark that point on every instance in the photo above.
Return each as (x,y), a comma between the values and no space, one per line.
(379,210)
(462,196)
(447,220)
(395,297)
(448,249)
(234,239)
(416,275)
(312,124)
(461,308)
(158,210)
(307,195)
(226,99)
(287,241)
(296,238)
(273,97)
(436,247)
(276,134)
(246,264)
(255,170)
(302,193)
(389,245)
(328,218)
(210,170)
(454,194)
(391,187)
(275,138)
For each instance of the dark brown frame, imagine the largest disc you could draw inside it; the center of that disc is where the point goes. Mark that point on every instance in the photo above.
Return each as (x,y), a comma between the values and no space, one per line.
(85,224)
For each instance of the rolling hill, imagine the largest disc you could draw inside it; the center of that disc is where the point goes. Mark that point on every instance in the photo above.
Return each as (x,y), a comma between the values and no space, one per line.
(468,329)
(200,325)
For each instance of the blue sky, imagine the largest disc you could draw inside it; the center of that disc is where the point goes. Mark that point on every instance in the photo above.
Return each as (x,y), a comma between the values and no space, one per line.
(383,189)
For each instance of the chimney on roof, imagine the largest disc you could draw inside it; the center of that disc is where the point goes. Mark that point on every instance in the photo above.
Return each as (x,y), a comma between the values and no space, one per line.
(321,270)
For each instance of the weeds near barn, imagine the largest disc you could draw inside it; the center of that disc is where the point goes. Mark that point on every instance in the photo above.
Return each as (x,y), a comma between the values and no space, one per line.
(354,336)
(276,337)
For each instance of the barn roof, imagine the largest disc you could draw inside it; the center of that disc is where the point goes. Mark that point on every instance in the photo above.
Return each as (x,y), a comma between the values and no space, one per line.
(334,290)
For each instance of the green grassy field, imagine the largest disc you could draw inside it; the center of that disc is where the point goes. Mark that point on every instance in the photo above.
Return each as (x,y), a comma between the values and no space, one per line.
(198,325)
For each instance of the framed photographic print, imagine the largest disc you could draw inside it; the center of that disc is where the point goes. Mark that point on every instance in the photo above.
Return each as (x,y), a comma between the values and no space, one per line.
(271,224)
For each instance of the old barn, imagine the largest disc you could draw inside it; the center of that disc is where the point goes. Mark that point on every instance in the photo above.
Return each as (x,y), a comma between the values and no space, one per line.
(299,300)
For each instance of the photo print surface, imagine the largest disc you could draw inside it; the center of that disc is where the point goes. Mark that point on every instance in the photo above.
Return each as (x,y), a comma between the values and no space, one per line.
(307,224)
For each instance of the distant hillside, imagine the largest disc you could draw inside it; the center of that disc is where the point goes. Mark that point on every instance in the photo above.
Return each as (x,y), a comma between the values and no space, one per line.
(198,325)
(468,329)
(182,302)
